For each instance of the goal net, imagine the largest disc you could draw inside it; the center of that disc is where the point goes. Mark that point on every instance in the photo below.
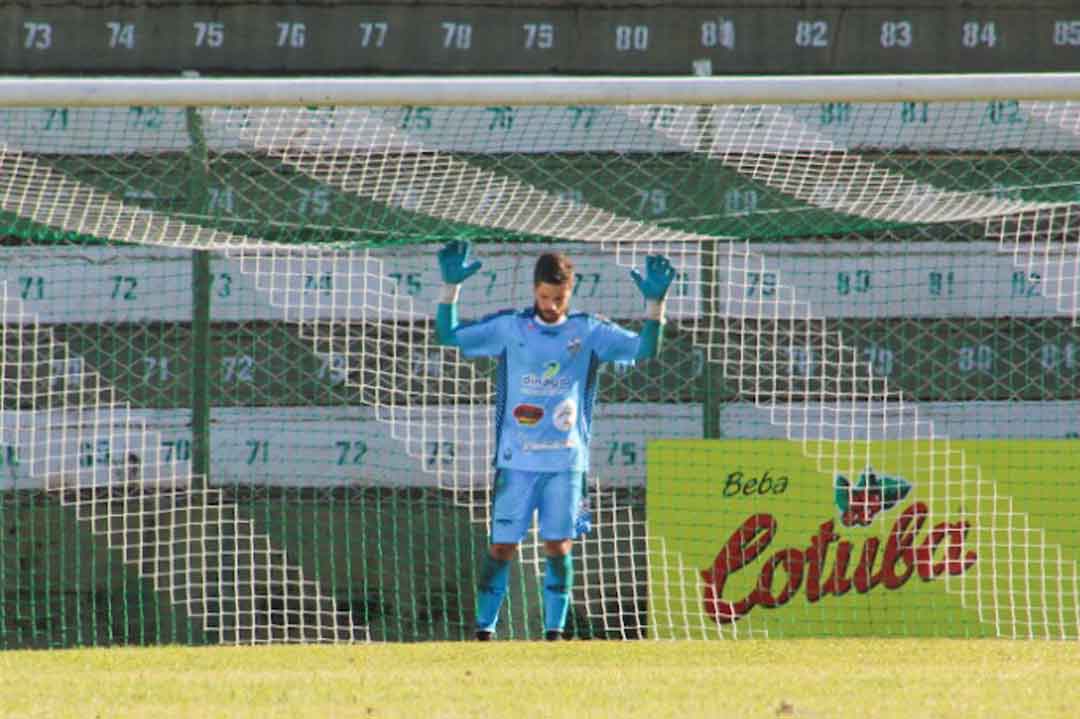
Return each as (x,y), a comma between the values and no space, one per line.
(224,416)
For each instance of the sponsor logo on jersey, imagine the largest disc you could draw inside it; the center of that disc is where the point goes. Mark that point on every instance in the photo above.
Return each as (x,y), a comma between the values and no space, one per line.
(527,415)
(565,415)
(534,384)
(547,446)
(551,369)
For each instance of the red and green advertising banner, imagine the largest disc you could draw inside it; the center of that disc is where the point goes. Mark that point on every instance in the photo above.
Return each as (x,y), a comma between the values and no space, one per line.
(763,538)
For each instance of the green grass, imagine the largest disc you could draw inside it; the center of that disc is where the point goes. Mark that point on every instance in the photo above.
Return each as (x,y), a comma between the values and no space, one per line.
(782,679)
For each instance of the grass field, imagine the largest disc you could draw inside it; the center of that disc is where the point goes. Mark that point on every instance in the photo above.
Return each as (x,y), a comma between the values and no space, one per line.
(782,679)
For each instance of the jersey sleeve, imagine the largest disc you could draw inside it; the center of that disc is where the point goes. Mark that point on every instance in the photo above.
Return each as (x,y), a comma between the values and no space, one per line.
(615,344)
(485,337)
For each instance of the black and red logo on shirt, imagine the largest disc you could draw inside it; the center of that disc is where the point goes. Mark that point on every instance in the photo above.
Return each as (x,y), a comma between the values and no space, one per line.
(528,415)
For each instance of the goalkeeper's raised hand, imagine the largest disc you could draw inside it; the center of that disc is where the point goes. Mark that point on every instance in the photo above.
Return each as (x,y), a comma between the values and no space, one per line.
(454,262)
(654,286)
(658,276)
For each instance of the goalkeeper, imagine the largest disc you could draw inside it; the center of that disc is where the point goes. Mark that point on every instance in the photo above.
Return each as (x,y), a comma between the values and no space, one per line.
(545,391)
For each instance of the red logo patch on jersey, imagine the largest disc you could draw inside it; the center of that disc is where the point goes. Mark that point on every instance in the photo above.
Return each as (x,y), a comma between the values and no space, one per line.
(528,414)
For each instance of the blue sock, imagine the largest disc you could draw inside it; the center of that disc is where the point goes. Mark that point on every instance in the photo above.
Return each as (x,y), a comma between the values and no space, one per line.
(558,578)
(494,576)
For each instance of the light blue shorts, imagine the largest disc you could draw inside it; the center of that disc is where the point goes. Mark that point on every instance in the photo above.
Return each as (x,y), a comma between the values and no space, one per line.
(556,495)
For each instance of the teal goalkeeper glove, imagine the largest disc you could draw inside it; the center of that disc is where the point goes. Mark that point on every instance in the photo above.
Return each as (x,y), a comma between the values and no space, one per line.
(658,276)
(454,262)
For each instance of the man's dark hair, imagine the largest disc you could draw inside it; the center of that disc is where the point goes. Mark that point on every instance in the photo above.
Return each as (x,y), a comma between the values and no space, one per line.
(553,269)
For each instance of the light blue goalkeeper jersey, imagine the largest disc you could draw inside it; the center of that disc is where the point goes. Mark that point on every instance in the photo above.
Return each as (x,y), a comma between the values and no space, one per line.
(546,383)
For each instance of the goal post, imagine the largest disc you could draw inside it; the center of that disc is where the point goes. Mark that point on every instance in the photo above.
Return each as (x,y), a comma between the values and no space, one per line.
(222,399)
(472,91)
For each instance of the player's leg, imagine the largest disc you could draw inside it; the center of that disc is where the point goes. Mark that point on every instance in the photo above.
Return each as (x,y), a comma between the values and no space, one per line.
(559,506)
(491,589)
(512,507)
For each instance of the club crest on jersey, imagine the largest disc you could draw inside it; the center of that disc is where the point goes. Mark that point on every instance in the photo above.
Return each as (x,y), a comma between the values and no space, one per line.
(573,346)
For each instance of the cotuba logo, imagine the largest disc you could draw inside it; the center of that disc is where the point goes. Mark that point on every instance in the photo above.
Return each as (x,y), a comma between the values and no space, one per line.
(826,565)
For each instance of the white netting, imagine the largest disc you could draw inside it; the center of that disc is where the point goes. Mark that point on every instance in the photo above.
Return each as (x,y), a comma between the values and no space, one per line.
(88,448)
(762,342)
